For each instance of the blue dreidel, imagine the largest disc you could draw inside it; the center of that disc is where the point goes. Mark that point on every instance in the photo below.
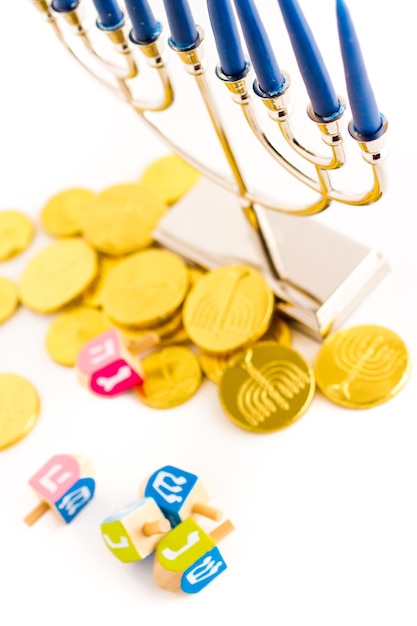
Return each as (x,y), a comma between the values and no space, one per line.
(179,494)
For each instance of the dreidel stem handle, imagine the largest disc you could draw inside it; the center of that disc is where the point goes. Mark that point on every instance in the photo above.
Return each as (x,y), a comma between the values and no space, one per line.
(144,343)
(37,513)
(219,533)
(158,527)
(201,508)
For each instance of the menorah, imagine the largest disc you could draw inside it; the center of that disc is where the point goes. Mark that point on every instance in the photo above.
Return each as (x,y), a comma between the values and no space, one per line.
(317,274)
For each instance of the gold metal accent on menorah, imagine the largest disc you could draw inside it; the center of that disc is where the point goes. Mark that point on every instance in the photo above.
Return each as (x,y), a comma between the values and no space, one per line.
(317,274)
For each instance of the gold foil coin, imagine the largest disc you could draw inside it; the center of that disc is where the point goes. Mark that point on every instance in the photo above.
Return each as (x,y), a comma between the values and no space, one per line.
(214,365)
(171,377)
(362,366)
(71,330)
(93,295)
(145,289)
(228,308)
(121,219)
(57,275)
(266,387)
(8,298)
(171,177)
(170,331)
(61,215)
(278,331)
(19,408)
(16,233)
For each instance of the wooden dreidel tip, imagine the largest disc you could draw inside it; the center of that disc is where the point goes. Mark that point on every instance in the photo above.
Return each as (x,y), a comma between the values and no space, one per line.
(107,367)
(132,532)
(187,558)
(179,494)
(64,485)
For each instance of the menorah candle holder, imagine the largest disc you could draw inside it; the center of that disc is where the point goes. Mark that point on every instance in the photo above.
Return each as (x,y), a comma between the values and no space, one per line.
(317,274)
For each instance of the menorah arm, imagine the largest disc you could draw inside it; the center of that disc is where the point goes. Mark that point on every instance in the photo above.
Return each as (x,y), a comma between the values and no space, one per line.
(156,60)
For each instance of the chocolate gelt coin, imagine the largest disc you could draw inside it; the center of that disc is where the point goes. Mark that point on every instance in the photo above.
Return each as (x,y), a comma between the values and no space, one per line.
(57,274)
(19,408)
(120,219)
(71,330)
(145,289)
(362,366)
(16,233)
(278,331)
(93,295)
(61,215)
(9,300)
(171,177)
(266,387)
(214,365)
(228,308)
(172,375)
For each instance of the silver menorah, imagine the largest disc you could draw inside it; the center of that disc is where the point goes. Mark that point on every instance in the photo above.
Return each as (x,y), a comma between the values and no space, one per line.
(225,219)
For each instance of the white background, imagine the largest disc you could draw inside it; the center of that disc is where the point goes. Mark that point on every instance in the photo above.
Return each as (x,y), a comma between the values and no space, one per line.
(325,510)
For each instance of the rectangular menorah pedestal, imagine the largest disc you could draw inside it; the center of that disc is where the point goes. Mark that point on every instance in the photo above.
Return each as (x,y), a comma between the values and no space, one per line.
(334,273)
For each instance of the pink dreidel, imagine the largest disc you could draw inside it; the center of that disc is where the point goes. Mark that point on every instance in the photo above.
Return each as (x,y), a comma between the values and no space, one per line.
(64,484)
(106,367)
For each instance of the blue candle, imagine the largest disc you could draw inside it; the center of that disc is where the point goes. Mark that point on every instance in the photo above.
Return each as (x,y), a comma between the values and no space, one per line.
(63,6)
(270,78)
(109,14)
(184,34)
(145,28)
(226,35)
(323,97)
(366,117)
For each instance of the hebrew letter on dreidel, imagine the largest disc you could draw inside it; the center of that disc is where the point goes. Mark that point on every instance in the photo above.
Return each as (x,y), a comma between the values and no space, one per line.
(114,379)
(99,352)
(76,499)
(168,490)
(203,572)
(192,539)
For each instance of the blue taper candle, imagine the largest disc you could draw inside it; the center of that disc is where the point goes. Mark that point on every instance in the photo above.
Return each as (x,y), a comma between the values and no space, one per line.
(226,35)
(64,6)
(184,34)
(268,73)
(366,117)
(145,28)
(323,98)
(109,13)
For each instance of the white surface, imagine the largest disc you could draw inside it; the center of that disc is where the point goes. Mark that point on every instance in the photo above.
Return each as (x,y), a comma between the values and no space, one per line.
(324,511)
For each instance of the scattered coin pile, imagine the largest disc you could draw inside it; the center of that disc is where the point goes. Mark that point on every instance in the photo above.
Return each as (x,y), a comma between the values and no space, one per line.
(104,270)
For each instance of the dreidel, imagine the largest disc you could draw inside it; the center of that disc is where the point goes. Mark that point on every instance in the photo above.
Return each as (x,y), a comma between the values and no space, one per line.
(179,494)
(107,367)
(64,484)
(133,532)
(187,558)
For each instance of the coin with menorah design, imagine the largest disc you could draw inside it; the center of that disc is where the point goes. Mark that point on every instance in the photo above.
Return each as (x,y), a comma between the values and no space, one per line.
(267,387)
(362,367)
(228,308)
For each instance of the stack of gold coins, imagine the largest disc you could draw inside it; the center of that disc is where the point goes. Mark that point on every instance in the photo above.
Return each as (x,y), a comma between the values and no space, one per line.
(104,270)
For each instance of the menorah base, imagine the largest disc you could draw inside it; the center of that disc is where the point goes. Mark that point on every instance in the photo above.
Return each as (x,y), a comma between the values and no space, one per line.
(327,274)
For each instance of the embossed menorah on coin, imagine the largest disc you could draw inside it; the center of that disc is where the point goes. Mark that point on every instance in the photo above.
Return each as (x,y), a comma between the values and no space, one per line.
(317,274)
